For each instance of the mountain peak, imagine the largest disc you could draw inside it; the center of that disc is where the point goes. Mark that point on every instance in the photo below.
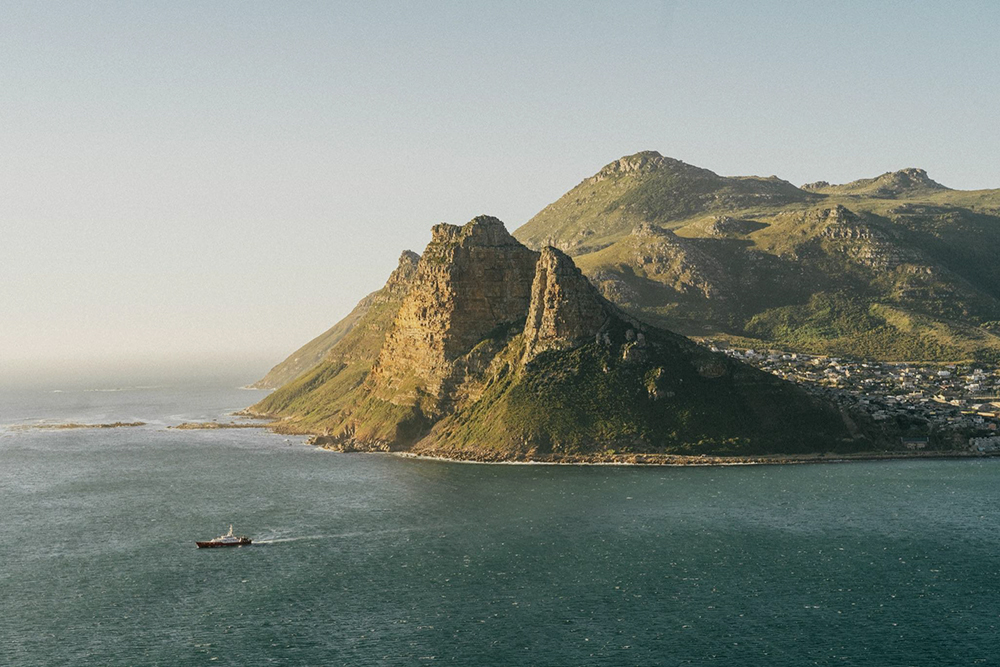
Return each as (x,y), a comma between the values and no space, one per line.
(643,162)
(402,275)
(909,179)
(889,184)
(408,257)
(483,230)
(471,279)
(646,187)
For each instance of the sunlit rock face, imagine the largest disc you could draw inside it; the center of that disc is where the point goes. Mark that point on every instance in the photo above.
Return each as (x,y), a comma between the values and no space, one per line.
(470,280)
(566,310)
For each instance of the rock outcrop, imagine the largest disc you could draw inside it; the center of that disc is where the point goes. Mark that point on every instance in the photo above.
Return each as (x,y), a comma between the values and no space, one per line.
(401,277)
(676,262)
(889,185)
(471,280)
(566,309)
(862,242)
(645,162)
(723,225)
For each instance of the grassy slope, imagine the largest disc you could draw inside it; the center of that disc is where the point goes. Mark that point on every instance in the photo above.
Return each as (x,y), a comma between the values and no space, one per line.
(794,289)
(312,353)
(590,401)
(330,397)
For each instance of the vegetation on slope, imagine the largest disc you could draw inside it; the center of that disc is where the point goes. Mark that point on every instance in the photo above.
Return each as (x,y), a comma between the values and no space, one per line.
(896,267)
(311,354)
(316,397)
(645,187)
(665,397)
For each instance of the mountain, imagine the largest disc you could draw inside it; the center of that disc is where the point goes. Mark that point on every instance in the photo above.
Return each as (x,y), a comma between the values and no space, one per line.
(897,267)
(383,301)
(499,352)
(646,188)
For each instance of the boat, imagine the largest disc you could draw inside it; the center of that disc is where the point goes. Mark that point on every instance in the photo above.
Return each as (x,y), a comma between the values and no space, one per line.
(227,540)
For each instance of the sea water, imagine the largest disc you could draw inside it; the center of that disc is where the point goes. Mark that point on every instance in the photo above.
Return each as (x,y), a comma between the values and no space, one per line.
(363,559)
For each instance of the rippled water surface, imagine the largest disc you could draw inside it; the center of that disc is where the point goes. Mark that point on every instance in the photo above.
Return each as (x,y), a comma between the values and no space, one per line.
(372,559)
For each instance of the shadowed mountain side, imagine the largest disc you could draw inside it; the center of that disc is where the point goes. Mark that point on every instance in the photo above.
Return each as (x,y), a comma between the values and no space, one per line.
(651,395)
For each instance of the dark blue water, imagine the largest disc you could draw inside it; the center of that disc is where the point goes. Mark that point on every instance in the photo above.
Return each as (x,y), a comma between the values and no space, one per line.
(372,559)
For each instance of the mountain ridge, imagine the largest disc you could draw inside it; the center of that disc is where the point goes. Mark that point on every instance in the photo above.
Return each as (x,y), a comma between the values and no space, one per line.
(890,184)
(895,267)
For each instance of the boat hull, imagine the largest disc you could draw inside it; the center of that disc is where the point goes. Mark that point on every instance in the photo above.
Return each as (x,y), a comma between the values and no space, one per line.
(216,545)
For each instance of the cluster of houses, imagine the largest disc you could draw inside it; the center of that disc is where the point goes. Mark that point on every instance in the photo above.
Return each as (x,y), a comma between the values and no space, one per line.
(960,403)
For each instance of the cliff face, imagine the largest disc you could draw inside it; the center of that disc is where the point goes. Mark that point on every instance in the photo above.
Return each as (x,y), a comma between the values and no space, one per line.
(401,278)
(312,353)
(499,352)
(565,309)
(471,280)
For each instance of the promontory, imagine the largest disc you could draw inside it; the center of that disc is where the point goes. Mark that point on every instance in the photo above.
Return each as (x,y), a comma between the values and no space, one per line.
(485,349)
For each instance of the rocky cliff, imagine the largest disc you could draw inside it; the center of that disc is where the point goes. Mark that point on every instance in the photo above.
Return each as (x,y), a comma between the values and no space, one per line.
(500,352)
(565,309)
(472,279)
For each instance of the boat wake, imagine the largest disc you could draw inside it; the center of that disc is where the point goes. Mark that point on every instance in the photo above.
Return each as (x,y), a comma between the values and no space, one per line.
(279,539)
(276,540)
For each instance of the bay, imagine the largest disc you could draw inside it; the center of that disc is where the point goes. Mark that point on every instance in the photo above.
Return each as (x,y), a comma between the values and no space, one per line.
(374,559)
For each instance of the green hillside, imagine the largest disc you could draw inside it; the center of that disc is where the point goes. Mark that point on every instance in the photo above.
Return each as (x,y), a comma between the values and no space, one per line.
(645,187)
(668,397)
(895,267)
(326,385)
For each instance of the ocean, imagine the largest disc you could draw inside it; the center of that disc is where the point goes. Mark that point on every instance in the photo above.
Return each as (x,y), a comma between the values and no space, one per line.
(372,559)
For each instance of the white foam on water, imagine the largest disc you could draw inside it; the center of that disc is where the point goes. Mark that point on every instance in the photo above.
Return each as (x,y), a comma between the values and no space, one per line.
(267,539)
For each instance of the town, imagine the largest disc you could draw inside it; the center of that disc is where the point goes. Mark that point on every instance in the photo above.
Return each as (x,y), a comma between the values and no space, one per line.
(947,406)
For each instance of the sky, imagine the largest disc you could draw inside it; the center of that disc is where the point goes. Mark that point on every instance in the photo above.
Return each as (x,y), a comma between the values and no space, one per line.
(208,185)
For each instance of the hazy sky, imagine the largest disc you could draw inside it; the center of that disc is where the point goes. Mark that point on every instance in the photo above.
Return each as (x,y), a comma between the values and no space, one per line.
(188,181)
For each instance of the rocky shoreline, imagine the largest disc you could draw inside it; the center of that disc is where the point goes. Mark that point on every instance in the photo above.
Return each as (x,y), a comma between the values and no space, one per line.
(675,460)
(73,425)
(623,459)
(209,426)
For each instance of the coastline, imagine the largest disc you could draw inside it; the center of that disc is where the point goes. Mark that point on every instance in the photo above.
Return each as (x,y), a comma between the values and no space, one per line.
(679,461)
(211,426)
(617,459)
(67,426)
